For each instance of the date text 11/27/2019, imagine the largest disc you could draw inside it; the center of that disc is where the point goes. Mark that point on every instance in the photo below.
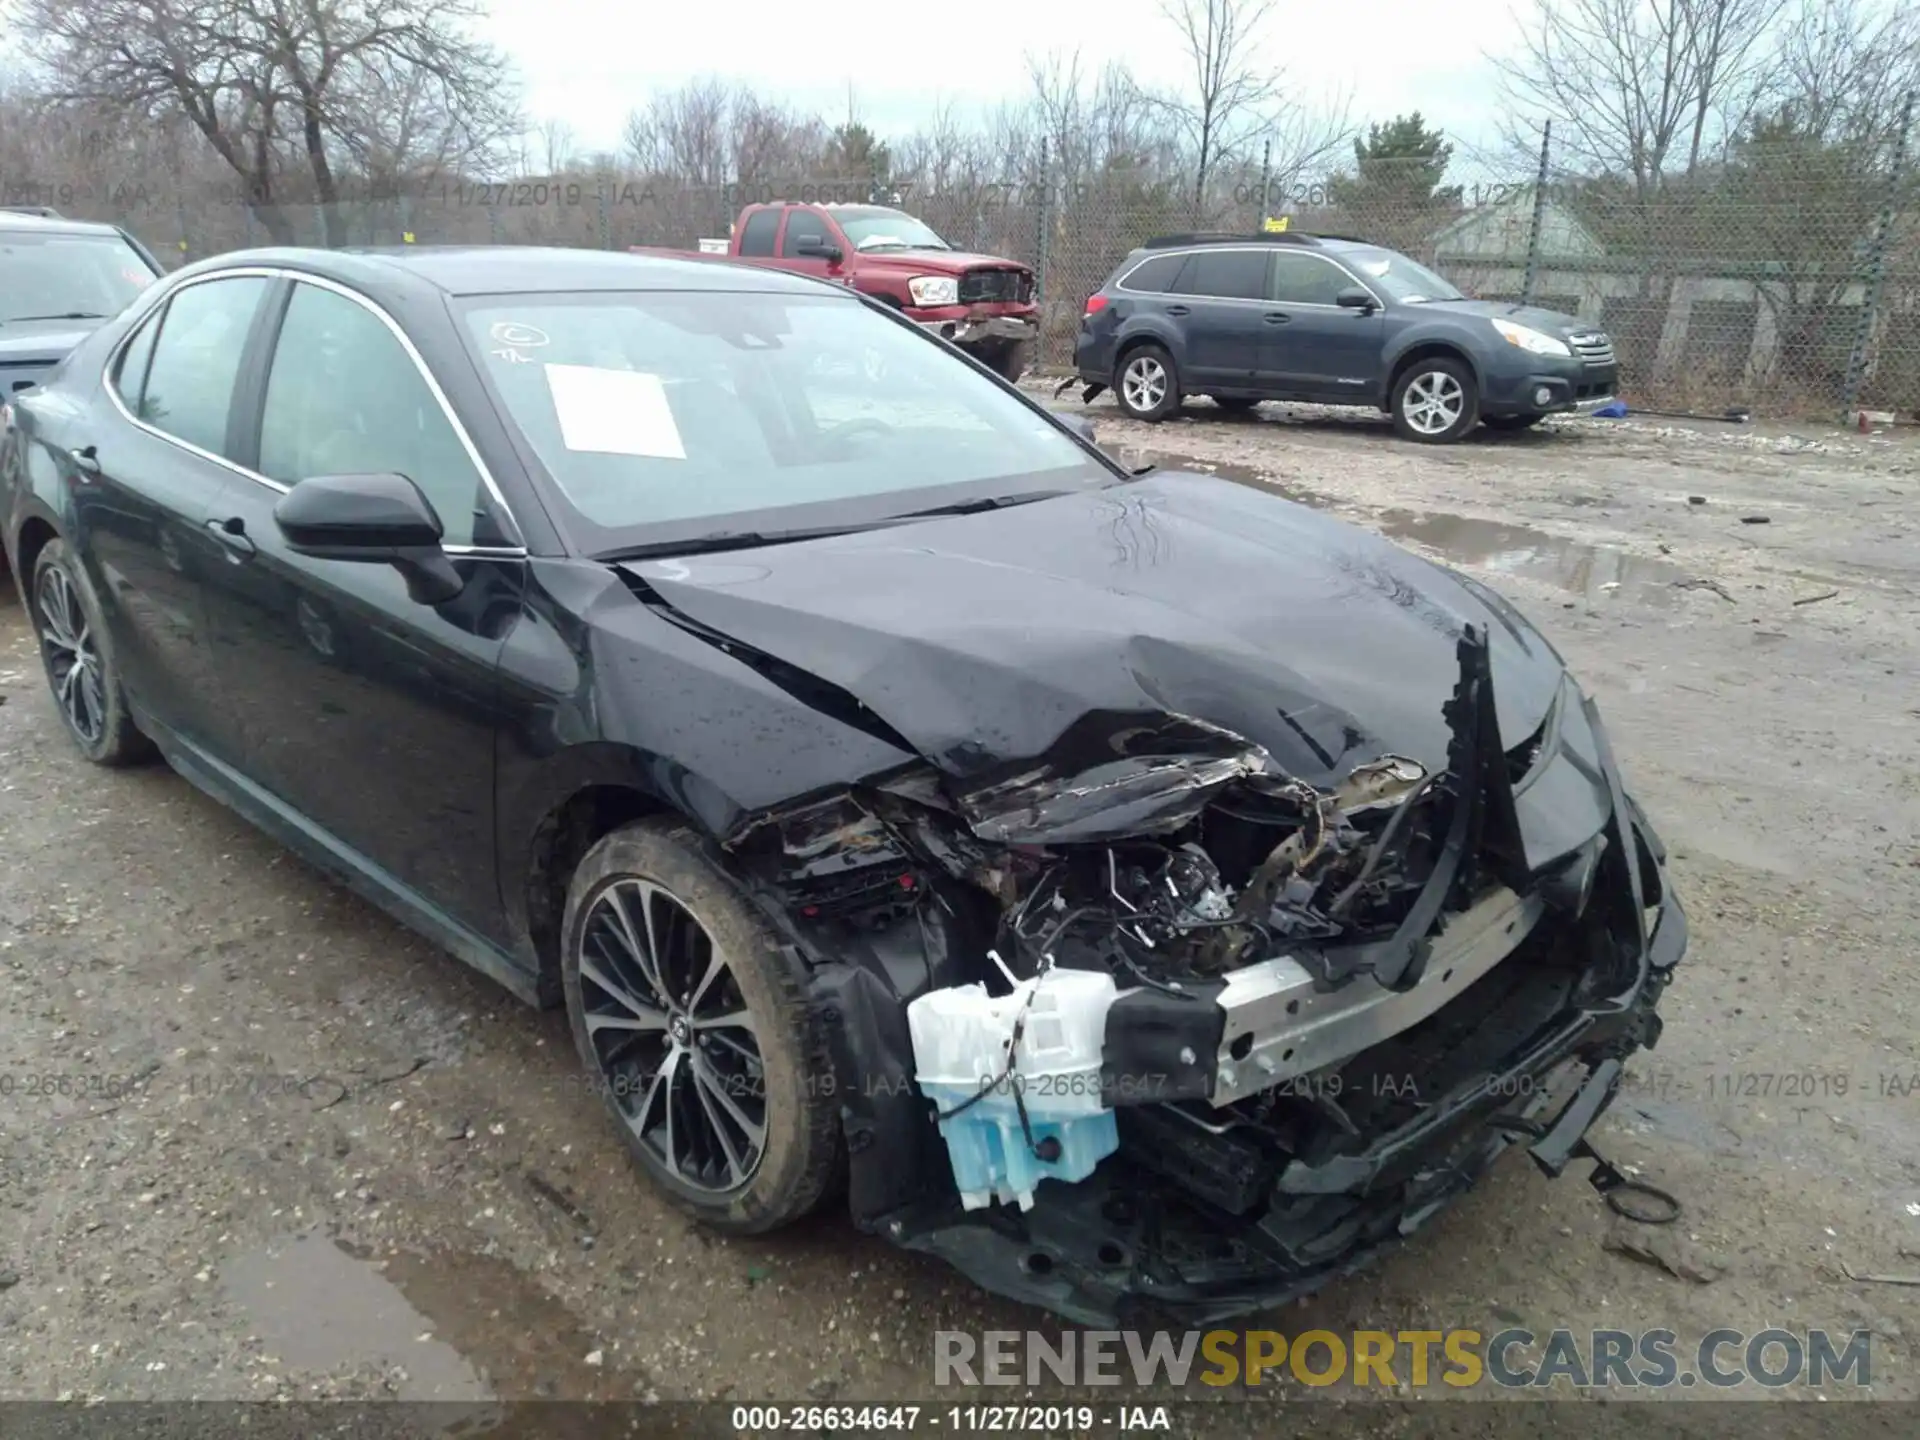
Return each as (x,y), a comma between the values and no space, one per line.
(962,1419)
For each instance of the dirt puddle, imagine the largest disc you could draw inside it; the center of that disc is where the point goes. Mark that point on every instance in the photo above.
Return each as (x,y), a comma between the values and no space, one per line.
(441,1327)
(1593,572)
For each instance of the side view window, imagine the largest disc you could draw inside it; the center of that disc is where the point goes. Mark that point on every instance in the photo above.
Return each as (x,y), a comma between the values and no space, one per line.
(757,238)
(1303,279)
(196,359)
(804,227)
(345,398)
(1226,274)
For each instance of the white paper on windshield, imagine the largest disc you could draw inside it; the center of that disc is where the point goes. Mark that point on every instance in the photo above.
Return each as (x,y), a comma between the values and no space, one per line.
(614,412)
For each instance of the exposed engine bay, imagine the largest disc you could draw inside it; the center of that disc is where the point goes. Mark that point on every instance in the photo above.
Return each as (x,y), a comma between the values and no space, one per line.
(1331,1006)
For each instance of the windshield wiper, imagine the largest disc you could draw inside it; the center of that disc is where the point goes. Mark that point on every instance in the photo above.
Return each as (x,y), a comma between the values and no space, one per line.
(69,315)
(976,507)
(729,540)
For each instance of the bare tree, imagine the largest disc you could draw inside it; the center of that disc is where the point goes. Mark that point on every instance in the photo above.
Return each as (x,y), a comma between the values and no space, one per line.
(1638,88)
(682,134)
(555,144)
(768,143)
(1229,89)
(1125,116)
(272,85)
(1843,66)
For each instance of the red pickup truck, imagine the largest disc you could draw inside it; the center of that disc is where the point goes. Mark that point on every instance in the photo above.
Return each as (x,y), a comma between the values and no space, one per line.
(982,303)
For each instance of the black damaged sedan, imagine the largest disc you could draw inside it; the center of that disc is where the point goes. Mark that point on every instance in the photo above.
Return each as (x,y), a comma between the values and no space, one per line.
(709,651)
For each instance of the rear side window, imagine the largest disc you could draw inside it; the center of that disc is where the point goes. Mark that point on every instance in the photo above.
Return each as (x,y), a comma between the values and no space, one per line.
(130,375)
(196,359)
(1153,276)
(1226,274)
(757,236)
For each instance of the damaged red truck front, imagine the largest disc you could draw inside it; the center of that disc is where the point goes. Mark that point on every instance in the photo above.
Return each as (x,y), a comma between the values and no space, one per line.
(984,304)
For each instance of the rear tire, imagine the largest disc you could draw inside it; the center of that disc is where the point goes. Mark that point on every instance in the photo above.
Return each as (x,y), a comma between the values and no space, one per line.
(1511,423)
(1435,401)
(77,654)
(1146,383)
(689,1016)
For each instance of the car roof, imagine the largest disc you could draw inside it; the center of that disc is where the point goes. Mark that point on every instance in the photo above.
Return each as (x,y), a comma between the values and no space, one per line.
(517,269)
(1294,239)
(20,220)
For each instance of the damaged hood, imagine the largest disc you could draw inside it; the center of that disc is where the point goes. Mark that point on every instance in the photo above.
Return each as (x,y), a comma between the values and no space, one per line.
(989,639)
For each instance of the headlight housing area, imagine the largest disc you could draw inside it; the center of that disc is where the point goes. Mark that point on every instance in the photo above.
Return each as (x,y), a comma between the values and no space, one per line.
(934,290)
(1534,342)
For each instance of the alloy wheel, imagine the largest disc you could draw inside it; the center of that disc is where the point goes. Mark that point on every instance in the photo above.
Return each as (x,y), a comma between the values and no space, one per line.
(1144,383)
(73,661)
(1433,402)
(672,1035)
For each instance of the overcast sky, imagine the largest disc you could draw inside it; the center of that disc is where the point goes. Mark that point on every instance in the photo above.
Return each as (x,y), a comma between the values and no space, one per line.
(589,62)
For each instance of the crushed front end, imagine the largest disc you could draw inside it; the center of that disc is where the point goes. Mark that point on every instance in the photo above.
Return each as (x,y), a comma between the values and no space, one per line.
(1334,1006)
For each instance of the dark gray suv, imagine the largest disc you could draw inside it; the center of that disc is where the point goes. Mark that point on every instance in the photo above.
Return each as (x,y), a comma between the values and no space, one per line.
(60,279)
(1330,320)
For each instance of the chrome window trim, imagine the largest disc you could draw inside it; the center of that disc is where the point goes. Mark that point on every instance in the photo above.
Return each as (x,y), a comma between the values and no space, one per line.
(301,277)
(1321,255)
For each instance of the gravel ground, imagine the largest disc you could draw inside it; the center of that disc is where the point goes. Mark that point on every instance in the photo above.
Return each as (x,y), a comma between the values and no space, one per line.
(351,1168)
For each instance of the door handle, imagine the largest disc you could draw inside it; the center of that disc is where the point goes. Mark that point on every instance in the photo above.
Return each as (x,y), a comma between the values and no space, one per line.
(232,533)
(86,460)
(1178,310)
(1277,317)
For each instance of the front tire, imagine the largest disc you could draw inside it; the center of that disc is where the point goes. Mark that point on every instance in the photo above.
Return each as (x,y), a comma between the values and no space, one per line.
(687,1012)
(1008,361)
(78,657)
(1435,401)
(1146,383)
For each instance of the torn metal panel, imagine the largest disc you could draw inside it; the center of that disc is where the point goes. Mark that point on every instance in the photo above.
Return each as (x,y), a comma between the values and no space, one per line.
(985,638)
(1116,800)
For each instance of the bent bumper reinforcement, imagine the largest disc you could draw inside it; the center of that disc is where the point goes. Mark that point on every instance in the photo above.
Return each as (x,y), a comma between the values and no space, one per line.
(986,327)
(1284,1025)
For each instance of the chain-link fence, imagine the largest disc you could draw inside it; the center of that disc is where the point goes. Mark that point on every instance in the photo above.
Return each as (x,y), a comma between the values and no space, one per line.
(1784,278)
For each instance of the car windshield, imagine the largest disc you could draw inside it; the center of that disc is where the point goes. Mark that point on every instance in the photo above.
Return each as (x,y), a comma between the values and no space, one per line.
(870,227)
(52,276)
(671,416)
(1402,279)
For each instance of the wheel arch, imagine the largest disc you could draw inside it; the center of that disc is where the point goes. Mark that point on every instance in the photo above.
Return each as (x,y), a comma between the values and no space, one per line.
(587,798)
(1145,335)
(1432,348)
(35,532)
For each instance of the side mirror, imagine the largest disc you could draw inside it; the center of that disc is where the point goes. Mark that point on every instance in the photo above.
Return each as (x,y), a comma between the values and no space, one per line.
(1355,297)
(378,519)
(1080,425)
(819,250)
